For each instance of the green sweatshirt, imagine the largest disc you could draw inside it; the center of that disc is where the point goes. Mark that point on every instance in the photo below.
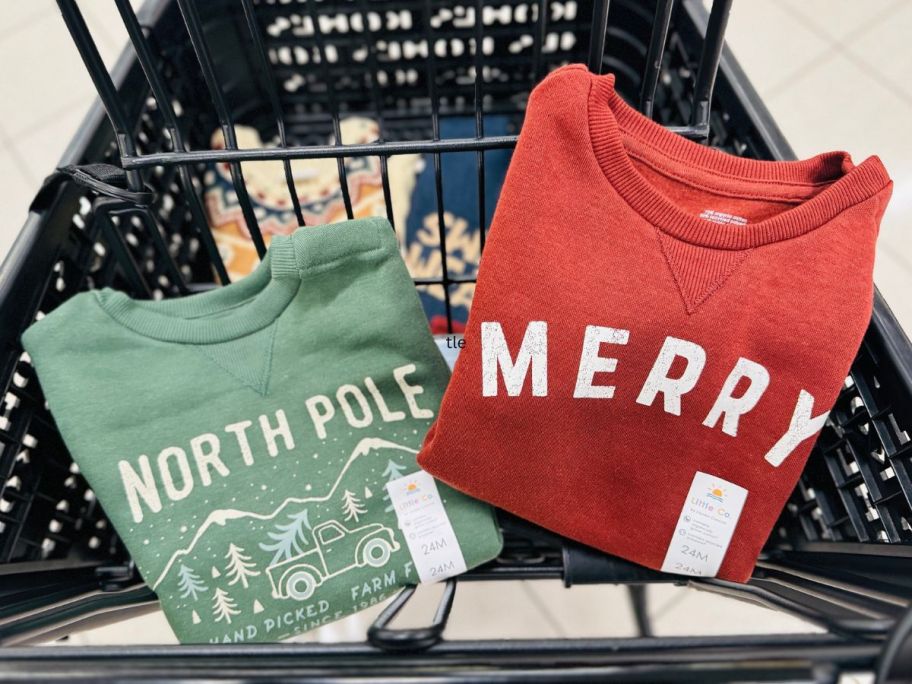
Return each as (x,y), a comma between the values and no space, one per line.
(241,440)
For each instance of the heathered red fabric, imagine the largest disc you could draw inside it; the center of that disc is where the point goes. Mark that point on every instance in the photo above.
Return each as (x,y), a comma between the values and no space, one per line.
(599,224)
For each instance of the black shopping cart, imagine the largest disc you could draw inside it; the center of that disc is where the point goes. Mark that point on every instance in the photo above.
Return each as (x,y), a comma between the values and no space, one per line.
(127,211)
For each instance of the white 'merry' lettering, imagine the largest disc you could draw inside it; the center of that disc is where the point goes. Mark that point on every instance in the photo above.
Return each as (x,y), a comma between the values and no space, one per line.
(533,353)
(734,407)
(591,363)
(673,388)
(173,476)
(800,428)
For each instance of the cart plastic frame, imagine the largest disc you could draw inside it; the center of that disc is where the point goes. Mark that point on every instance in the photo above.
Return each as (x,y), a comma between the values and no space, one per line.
(840,557)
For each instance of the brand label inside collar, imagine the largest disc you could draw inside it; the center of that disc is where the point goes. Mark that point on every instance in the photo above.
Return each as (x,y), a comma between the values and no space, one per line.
(705,527)
(723,218)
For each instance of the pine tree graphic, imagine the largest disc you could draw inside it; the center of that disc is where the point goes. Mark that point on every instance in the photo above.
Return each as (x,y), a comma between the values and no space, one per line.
(223,606)
(189,583)
(240,566)
(393,472)
(289,538)
(351,506)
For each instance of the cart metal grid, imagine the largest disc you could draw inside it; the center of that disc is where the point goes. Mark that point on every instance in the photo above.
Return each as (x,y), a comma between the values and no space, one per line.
(840,555)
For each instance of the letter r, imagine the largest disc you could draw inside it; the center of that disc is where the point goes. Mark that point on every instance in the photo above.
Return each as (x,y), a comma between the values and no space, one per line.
(731,407)
(673,388)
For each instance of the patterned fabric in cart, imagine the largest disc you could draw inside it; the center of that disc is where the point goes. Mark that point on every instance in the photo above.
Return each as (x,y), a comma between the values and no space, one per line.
(317,185)
(412,192)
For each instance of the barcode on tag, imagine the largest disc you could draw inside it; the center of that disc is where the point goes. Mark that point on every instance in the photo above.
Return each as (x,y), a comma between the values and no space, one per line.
(705,527)
(426,527)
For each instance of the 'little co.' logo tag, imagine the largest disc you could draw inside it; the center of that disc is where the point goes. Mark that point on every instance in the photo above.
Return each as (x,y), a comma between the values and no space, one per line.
(705,527)
(717,493)
(413,496)
(426,527)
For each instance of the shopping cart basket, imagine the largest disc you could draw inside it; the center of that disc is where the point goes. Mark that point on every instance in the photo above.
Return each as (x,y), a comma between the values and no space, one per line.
(127,212)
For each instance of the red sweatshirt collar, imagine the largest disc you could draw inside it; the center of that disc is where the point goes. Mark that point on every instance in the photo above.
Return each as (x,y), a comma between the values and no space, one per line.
(611,121)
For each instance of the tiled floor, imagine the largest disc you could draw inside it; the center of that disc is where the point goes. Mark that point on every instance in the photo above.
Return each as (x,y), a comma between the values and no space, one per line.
(834,75)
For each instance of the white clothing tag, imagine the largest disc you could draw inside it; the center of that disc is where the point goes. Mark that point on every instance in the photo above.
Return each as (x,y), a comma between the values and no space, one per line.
(426,526)
(705,527)
(723,217)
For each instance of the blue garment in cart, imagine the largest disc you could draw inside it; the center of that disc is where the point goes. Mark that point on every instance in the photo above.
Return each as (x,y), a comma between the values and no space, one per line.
(461,218)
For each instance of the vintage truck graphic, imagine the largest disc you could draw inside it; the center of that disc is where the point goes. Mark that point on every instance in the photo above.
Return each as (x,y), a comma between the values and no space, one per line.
(336,549)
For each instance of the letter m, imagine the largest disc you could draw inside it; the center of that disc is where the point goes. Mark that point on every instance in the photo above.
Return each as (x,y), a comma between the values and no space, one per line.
(496,359)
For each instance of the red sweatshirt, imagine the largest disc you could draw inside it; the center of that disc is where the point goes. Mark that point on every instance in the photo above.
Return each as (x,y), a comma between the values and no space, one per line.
(657,333)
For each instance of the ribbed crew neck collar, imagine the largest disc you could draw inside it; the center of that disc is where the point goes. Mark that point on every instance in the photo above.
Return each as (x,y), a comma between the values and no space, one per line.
(223,314)
(611,119)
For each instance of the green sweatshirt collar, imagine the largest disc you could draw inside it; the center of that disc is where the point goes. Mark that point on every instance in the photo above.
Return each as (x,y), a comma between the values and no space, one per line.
(242,308)
(220,315)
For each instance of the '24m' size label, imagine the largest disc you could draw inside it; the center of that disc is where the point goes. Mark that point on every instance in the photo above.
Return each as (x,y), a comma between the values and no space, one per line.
(426,527)
(705,527)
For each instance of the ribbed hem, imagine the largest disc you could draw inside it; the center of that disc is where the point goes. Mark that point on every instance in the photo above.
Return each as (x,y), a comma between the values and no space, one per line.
(610,119)
(251,304)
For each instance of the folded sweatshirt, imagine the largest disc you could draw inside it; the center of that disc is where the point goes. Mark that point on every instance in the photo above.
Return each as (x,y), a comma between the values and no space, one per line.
(254,446)
(657,333)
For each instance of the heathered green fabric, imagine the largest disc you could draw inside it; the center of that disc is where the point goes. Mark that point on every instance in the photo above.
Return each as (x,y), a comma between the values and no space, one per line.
(243,420)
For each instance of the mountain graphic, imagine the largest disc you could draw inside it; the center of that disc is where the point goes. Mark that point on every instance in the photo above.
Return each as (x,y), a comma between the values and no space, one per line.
(222,516)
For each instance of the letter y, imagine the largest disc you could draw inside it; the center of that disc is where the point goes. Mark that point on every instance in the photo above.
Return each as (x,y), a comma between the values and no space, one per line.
(801,427)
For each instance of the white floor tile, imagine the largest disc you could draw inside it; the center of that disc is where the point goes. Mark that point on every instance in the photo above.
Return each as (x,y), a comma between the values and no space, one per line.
(749,27)
(42,148)
(491,610)
(48,77)
(841,19)
(16,15)
(893,275)
(662,597)
(705,613)
(16,193)
(584,611)
(104,21)
(151,628)
(886,50)
(868,119)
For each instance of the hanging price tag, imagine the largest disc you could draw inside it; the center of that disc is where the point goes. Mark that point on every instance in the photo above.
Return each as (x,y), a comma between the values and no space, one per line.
(426,527)
(705,527)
